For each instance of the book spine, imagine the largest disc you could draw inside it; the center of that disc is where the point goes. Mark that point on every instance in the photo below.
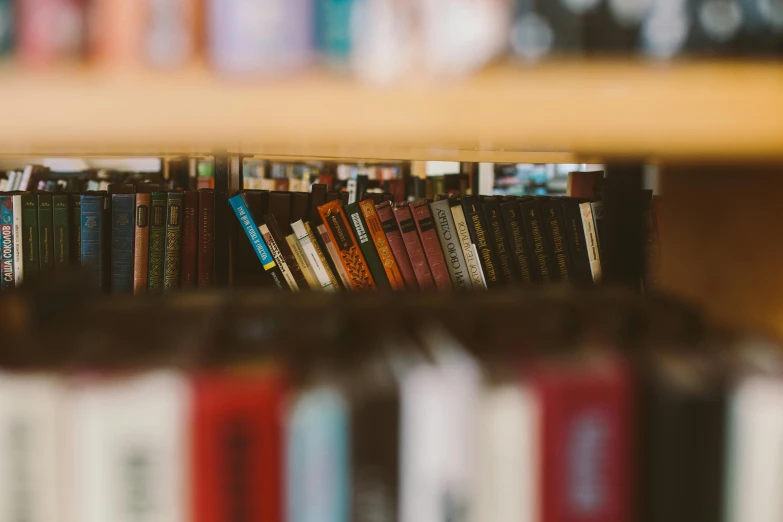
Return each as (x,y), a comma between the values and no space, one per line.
(335,255)
(410,236)
(157,246)
(397,244)
(92,236)
(206,238)
(450,245)
(591,240)
(381,244)
(280,260)
(122,239)
(475,273)
(555,234)
(316,241)
(141,238)
(76,229)
(62,231)
(577,247)
(18,241)
(537,244)
(254,236)
(600,227)
(471,205)
(173,255)
(7,236)
(30,234)
(431,244)
(517,243)
(190,239)
(45,235)
(359,227)
(301,260)
(286,252)
(497,234)
(346,245)
(317,265)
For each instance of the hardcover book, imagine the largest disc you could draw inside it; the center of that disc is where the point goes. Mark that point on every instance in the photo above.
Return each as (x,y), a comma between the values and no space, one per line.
(46,231)
(529,272)
(359,227)
(7,237)
(407,227)
(346,245)
(257,242)
(497,234)
(173,254)
(431,244)
(334,255)
(556,236)
(575,234)
(18,241)
(280,260)
(314,258)
(591,240)
(141,239)
(301,260)
(450,244)
(30,249)
(472,262)
(189,240)
(542,260)
(285,251)
(92,258)
(62,231)
(157,246)
(206,237)
(397,244)
(122,241)
(381,244)
(477,225)
(76,228)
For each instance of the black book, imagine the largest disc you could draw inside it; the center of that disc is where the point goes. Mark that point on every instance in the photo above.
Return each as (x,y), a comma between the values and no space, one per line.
(300,206)
(280,207)
(333,195)
(575,233)
(497,233)
(45,232)
(479,234)
(554,224)
(541,258)
(529,272)
(614,27)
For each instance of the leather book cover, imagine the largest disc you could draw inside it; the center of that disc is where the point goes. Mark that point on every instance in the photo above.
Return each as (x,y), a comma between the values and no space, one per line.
(46,231)
(237,447)
(431,244)
(206,237)
(122,241)
(285,251)
(497,233)
(542,259)
(157,242)
(381,244)
(173,250)
(62,231)
(450,244)
(515,232)
(280,207)
(397,244)
(552,215)
(141,240)
(31,259)
(586,433)
(575,234)
(479,234)
(92,237)
(346,245)
(76,228)
(259,247)
(189,239)
(7,237)
(359,227)
(404,217)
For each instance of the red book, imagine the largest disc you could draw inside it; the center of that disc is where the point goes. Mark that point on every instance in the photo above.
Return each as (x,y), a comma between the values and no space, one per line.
(206,235)
(585,184)
(586,441)
(431,244)
(238,448)
(189,240)
(396,243)
(404,217)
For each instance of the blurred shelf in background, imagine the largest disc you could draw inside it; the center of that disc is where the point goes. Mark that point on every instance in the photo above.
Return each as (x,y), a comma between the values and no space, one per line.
(560,112)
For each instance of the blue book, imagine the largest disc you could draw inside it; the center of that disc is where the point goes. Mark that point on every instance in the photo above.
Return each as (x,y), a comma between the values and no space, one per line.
(7,278)
(122,242)
(92,237)
(261,249)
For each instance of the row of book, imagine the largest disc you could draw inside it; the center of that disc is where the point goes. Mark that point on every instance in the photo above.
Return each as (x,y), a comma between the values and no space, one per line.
(127,242)
(380,39)
(477,408)
(464,243)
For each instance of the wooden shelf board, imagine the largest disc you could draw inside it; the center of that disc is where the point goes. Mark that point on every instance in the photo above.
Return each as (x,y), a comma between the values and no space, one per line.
(569,111)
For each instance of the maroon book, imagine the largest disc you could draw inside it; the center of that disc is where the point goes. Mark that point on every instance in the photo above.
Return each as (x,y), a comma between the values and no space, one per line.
(396,243)
(431,244)
(404,217)
(206,237)
(189,240)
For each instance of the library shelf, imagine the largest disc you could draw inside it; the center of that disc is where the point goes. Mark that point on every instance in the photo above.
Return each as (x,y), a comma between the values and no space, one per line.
(554,112)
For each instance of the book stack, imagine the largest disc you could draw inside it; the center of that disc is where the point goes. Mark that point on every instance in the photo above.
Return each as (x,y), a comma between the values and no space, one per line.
(321,242)
(491,407)
(126,241)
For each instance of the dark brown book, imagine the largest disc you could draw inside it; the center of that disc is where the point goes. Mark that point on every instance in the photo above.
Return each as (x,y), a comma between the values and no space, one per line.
(189,240)
(206,237)
(280,207)
(404,217)
(285,250)
(300,206)
(396,243)
(141,249)
(431,244)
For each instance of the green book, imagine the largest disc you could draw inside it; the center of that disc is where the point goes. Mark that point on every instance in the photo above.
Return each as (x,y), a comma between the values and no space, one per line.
(173,254)
(45,232)
(157,242)
(366,245)
(31,260)
(76,229)
(62,236)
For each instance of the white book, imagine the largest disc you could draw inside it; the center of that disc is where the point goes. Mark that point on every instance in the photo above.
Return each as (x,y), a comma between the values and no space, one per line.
(335,257)
(3,185)
(591,240)
(30,445)
(351,188)
(311,254)
(28,172)
(304,264)
(128,448)
(475,273)
(12,177)
(279,259)
(18,241)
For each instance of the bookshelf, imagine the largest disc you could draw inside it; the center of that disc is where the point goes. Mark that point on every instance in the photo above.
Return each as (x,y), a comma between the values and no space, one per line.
(554,112)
